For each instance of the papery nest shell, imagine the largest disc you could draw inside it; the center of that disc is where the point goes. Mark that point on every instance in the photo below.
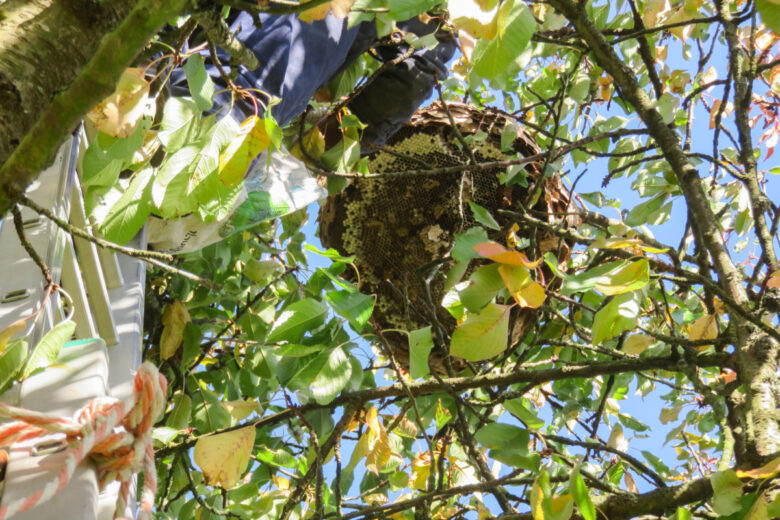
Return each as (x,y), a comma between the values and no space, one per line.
(401,227)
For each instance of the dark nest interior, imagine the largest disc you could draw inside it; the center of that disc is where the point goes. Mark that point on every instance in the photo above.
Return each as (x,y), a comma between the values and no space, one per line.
(401,227)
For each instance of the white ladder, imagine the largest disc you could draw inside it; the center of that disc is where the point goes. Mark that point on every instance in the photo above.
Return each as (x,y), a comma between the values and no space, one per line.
(108,302)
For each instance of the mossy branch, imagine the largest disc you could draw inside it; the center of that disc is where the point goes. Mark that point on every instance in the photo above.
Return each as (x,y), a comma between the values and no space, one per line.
(94,82)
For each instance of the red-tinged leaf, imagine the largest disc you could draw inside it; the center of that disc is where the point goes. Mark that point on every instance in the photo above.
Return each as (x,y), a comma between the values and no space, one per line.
(774,279)
(525,291)
(502,255)
(251,140)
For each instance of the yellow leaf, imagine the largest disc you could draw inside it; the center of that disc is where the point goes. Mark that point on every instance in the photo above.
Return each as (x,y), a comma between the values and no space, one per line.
(421,469)
(281,483)
(511,236)
(537,501)
(765,471)
(654,10)
(605,87)
(525,291)
(376,499)
(709,76)
(340,9)
(10,331)
(716,104)
(636,344)
(250,141)
(224,457)
(175,317)
(562,503)
(314,143)
(475,18)
(502,255)
(705,327)
(241,409)
(669,414)
(630,484)
(118,115)
(681,15)
(616,438)
(381,451)
(361,450)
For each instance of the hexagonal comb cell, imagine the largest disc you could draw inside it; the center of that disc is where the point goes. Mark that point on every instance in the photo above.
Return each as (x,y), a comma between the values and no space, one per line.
(401,227)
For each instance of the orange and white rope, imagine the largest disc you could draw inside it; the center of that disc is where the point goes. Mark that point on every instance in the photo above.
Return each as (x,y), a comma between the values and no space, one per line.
(120,443)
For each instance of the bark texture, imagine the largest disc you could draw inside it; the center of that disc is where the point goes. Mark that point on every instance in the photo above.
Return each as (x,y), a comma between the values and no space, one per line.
(58,59)
(43,46)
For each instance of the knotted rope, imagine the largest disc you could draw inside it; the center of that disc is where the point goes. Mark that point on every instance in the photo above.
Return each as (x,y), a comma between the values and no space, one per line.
(120,443)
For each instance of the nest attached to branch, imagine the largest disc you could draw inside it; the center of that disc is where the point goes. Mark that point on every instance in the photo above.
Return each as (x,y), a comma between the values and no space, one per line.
(401,228)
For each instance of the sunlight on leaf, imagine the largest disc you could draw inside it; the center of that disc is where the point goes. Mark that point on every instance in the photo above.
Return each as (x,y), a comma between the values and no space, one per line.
(767,470)
(525,291)
(223,458)
(119,114)
(705,327)
(637,343)
(340,9)
(48,348)
(380,453)
(483,335)
(502,255)
(251,140)
(10,331)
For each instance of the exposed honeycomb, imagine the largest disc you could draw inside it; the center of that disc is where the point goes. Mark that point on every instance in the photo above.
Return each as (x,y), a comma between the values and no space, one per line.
(401,228)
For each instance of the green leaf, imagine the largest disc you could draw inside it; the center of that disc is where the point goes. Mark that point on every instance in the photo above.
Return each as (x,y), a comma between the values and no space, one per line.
(641,213)
(181,117)
(398,480)
(498,435)
(463,251)
(128,214)
(303,315)
(601,274)
(171,184)
(442,415)
(405,9)
(631,277)
(727,492)
(165,435)
(483,216)
(683,514)
(484,284)
(516,23)
(617,316)
(46,351)
(199,82)
(579,491)
(12,362)
(179,418)
(770,13)
(261,270)
(332,377)
(330,253)
(420,345)
(482,336)
(353,306)
(519,409)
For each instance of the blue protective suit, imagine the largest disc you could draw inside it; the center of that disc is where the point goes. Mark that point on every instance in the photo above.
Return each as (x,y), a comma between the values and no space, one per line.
(296,58)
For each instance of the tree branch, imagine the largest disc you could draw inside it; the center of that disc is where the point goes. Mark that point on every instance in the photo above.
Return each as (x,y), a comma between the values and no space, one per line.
(93,83)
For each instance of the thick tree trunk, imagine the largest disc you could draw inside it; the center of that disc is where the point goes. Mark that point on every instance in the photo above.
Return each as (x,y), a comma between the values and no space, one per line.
(58,58)
(44,44)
